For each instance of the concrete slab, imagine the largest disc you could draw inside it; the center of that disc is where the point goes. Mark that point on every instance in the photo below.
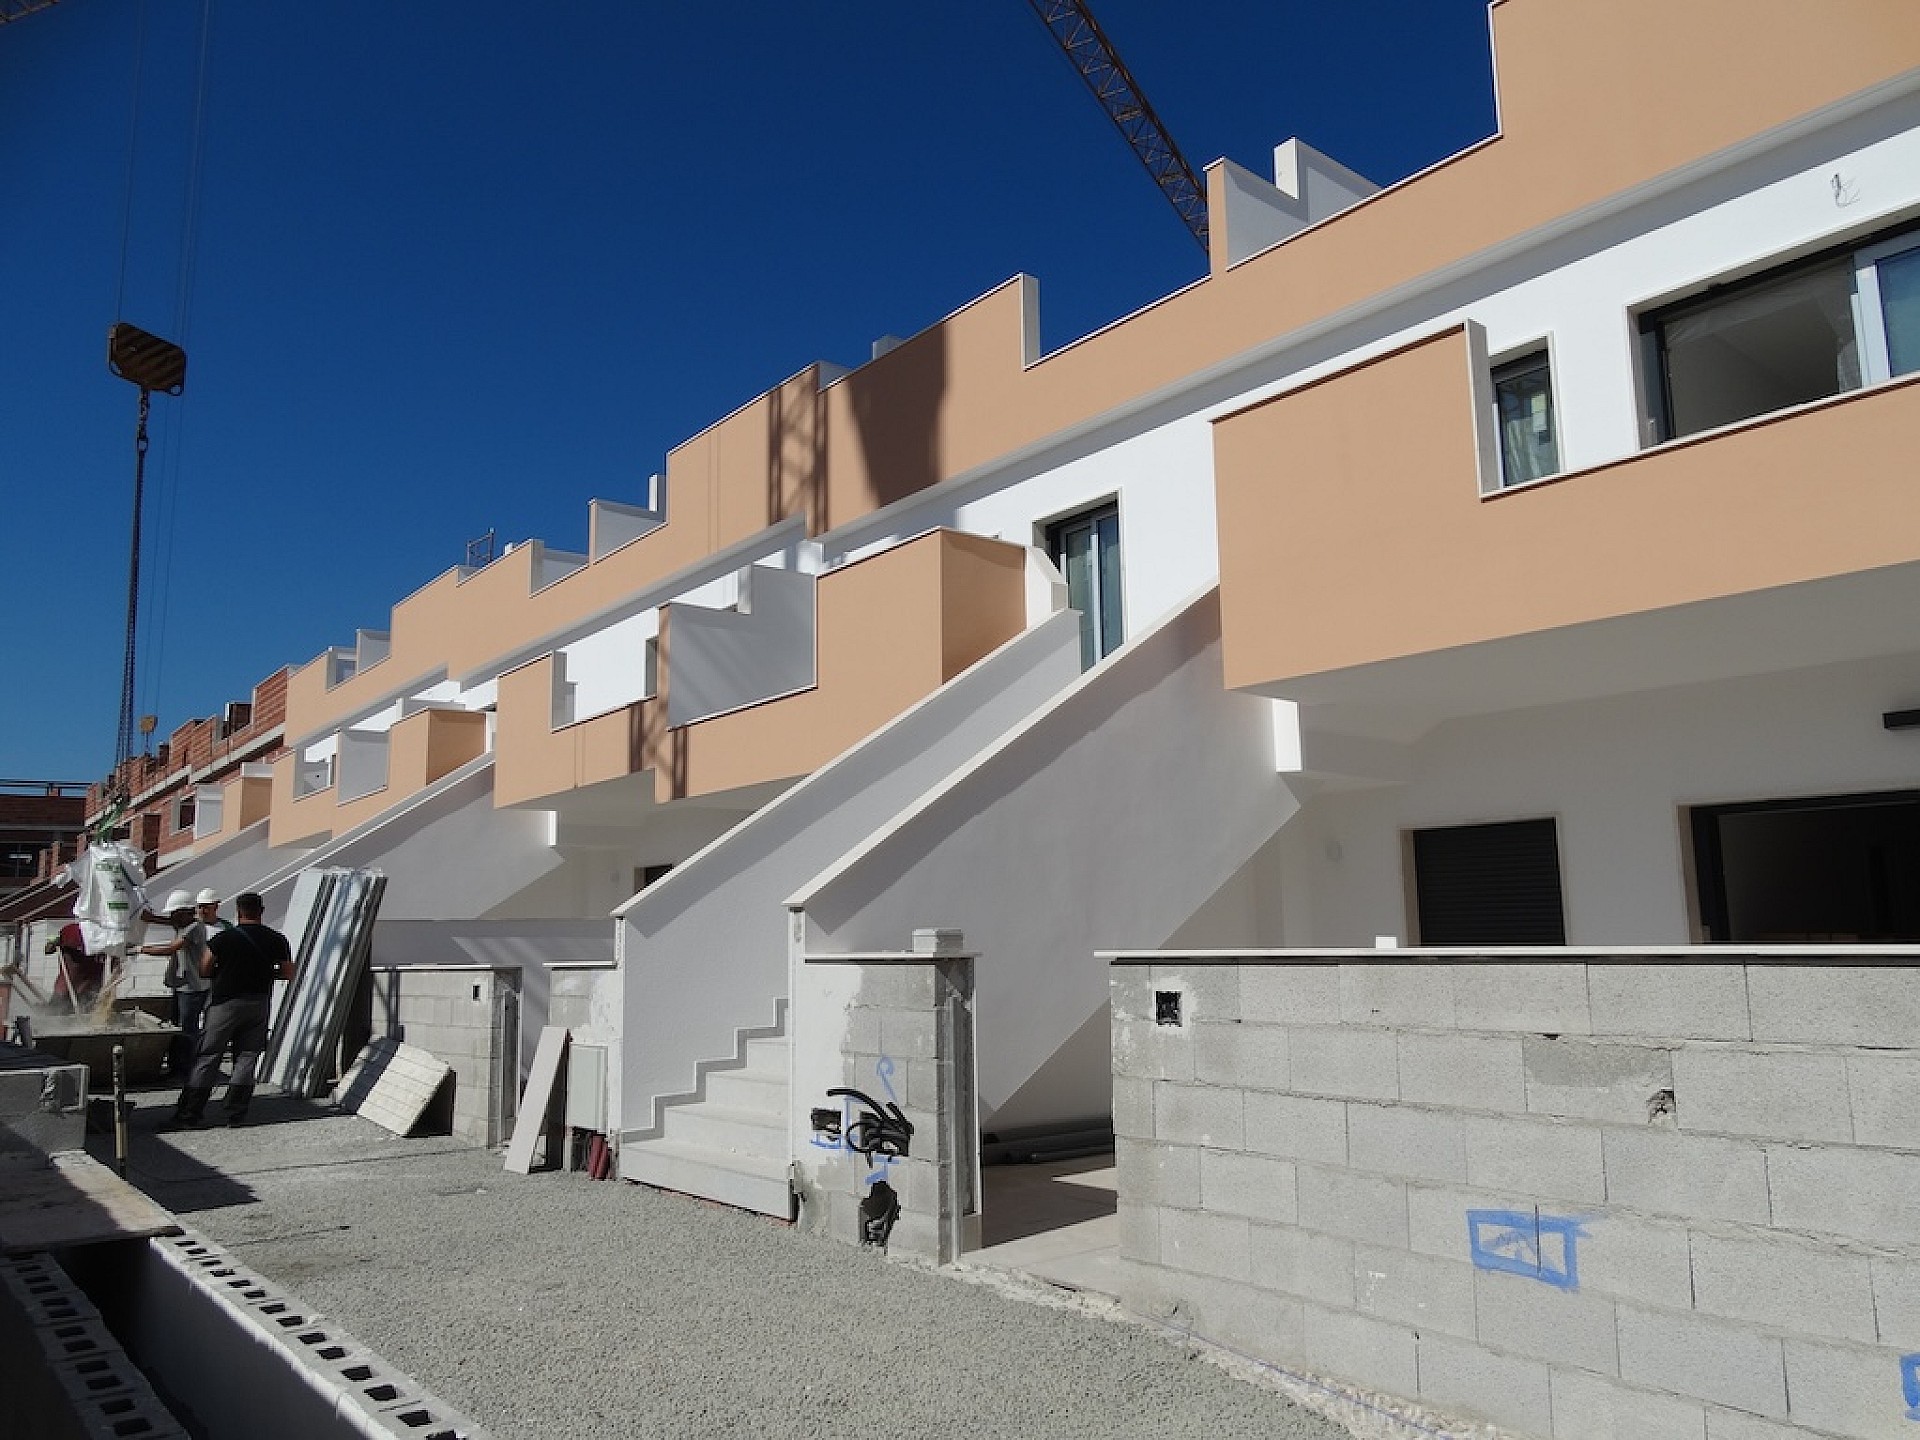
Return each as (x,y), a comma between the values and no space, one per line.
(73,1200)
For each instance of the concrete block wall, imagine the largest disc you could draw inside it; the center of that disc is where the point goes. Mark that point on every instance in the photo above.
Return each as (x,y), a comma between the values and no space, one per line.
(907,1042)
(1582,1197)
(458,1015)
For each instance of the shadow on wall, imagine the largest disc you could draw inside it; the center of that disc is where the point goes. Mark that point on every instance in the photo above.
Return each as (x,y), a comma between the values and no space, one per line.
(896,404)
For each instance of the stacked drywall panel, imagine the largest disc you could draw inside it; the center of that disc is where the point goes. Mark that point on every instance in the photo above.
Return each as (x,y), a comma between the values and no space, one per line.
(330,926)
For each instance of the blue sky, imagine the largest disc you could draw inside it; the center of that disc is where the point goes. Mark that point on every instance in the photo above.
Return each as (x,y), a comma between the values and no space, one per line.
(459,267)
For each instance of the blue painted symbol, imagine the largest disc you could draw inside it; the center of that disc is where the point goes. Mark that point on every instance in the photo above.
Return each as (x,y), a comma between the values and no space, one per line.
(1910,1384)
(1525,1242)
(880,1133)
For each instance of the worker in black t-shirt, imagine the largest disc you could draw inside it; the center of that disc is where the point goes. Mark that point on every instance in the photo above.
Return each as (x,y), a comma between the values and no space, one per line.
(242,963)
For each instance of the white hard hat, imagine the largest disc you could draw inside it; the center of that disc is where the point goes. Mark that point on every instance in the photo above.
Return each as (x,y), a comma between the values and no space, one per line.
(206,897)
(179,900)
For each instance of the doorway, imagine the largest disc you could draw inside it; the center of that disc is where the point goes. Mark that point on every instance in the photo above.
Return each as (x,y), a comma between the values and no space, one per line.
(1841,869)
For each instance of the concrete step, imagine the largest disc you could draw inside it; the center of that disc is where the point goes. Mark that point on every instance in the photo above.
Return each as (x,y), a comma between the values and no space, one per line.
(728,1130)
(748,1090)
(747,1182)
(768,1056)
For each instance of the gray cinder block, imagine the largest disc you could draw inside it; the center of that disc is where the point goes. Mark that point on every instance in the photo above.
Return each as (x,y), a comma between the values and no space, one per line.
(1418,1290)
(1784,1284)
(1463,1072)
(1688,1176)
(1694,1002)
(1525,1317)
(1589,1407)
(1347,1064)
(1389,994)
(1413,1144)
(1374,1353)
(1289,994)
(1198,1115)
(1536,999)
(1360,1207)
(1259,1187)
(1251,1057)
(1646,1261)
(1707,1359)
(1303,1263)
(1871,1195)
(1162,1175)
(1537,1159)
(1463,1377)
(1204,1244)
(1778,1095)
(1884,1094)
(1585,1080)
(1849,1390)
(1835,1004)
(1297,1126)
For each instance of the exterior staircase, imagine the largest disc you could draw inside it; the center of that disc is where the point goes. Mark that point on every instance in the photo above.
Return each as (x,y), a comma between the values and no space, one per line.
(731,1144)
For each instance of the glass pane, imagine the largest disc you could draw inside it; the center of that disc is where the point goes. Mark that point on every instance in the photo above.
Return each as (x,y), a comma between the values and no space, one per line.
(1087,550)
(1900,310)
(1764,347)
(1112,628)
(1528,446)
(1074,553)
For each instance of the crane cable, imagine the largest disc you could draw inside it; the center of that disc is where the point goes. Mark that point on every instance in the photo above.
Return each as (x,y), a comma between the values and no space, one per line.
(174,444)
(158,585)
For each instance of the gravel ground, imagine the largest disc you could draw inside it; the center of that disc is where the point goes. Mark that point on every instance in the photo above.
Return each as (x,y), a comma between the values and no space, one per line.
(553,1306)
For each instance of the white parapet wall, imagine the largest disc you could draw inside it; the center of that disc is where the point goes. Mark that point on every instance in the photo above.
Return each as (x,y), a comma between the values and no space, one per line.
(1574,1193)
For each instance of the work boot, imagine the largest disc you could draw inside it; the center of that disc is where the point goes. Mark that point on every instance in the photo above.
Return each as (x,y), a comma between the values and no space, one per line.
(192,1106)
(238,1098)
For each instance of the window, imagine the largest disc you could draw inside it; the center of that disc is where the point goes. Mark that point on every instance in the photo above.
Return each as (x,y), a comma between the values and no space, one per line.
(1489,884)
(1832,869)
(1086,547)
(1806,331)
(183,812)
(1523,406)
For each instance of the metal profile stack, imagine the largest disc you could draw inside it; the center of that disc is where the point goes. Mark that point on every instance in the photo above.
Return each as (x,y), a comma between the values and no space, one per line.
(330,927)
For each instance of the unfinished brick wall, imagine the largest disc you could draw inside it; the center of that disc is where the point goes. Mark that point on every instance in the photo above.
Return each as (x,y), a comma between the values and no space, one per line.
(468,1018)
(908,1042)
(1579,1197)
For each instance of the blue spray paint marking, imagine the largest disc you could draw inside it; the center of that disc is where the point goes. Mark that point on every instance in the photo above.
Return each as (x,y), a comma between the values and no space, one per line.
(883,1070)
(1525,1242)
(1910,1384)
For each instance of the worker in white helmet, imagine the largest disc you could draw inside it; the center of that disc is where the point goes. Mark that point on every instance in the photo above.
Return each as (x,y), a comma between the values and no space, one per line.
(184,952)
(206,909)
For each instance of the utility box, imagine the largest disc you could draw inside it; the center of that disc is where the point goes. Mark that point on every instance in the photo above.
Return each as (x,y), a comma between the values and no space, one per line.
(587,1087)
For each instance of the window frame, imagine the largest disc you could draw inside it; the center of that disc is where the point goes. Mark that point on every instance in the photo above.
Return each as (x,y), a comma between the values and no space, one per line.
(1865,252)
(1509,365)
(1093,646)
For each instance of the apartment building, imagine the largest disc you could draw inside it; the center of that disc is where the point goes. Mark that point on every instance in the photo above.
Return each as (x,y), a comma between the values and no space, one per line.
(1520,555)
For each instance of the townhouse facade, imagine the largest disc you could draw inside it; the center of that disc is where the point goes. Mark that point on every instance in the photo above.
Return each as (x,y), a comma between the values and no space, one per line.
(1519,555)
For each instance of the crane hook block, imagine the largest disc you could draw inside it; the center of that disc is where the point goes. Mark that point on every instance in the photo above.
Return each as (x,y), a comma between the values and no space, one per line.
(146,360)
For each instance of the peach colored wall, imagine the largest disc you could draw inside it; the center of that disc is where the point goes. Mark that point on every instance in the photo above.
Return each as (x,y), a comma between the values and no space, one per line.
(1344,540)
(297,821)
(890,630)
(1596,96)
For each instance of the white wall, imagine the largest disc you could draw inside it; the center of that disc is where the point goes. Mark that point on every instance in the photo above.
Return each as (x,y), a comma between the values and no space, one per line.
(722,660)
(1573,289)
(1614,774)
(704,952)
(606,670)
(1116,813)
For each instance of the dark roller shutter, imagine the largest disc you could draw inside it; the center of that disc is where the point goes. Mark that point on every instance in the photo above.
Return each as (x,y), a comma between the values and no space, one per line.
(1489,884)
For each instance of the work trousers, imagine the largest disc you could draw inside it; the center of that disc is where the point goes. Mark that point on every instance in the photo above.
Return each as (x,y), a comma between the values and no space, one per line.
(239,1025)
(190,1014)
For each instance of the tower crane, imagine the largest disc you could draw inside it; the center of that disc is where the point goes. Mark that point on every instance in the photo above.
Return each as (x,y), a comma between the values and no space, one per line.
(1091,53)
